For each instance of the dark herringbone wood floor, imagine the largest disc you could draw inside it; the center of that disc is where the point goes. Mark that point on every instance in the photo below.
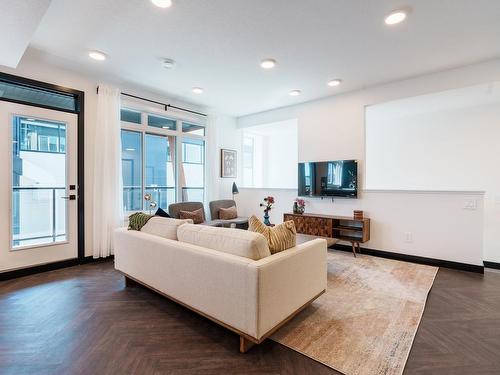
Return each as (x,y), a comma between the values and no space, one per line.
(82,320)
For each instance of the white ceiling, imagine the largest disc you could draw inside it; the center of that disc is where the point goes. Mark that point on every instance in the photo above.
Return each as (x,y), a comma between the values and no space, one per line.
(18,22)
(218,44)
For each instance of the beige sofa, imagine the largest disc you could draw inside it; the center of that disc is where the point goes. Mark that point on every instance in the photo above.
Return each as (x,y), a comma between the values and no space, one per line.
(227,275)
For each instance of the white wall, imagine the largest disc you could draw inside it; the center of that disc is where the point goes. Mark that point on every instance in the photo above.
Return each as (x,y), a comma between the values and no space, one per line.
(275,155)
(440,141)
(224,135)
(334,128)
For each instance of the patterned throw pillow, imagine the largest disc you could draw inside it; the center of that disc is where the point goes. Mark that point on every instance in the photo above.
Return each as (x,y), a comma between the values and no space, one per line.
(228,213)
(279,238)
(196,216)
(137,220)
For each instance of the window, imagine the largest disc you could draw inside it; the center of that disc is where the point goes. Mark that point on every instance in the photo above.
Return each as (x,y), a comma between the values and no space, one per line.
(158,158)
(129,115)
(193,129)
(193,168)
(27,94)
(160,176)
(132,170)
(162,122)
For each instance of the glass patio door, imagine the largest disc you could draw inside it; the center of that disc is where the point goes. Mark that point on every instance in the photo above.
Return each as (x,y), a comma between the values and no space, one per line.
(39,168)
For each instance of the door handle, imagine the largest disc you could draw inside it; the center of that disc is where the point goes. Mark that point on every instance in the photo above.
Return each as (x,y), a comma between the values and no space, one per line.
(71,197)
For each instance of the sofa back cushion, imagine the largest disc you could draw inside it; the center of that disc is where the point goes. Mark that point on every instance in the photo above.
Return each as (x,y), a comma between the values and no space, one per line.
(164,227)
(232,241)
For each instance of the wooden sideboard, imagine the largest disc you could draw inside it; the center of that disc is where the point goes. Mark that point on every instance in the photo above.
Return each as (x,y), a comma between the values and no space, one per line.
(344,228)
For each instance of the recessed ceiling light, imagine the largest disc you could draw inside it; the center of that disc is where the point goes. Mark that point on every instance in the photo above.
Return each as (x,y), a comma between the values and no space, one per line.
(130,149)
(295,93)
(334,82)
(268,63)
(197,90)
(168,63)
(97,55)
(162,3)
(395,17)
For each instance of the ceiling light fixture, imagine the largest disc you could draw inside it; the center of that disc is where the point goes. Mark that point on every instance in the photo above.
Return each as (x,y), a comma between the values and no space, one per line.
(268,63)
(97,55)
(395,17)
(162,3)
(130,149)
(168,63)
(197,90)
(334,82)
(295,93)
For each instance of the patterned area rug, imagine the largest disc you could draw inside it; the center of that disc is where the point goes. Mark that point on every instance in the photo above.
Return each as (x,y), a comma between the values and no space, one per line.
(366,321)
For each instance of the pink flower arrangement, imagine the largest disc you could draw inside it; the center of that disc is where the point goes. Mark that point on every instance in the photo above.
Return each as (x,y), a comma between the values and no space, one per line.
(300,202)
(268,203)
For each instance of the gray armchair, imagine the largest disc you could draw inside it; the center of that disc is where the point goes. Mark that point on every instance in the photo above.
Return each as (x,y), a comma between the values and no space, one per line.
(215,206)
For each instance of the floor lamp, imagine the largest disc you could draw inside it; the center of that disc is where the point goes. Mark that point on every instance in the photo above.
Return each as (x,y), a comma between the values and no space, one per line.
(235,190)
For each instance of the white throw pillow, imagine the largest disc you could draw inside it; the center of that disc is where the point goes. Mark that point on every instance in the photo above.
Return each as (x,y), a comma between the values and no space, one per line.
(164,227)
(233,241)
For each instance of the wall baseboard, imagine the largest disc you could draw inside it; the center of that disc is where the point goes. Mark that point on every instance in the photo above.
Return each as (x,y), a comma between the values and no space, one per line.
(493,265)
(415,259)
(7,275)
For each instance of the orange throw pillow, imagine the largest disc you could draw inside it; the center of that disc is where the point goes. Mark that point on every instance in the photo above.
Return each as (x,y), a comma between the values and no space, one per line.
(196,216)
(228,213)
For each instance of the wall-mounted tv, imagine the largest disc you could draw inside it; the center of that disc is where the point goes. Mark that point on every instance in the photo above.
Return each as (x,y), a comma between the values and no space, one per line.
(329,179)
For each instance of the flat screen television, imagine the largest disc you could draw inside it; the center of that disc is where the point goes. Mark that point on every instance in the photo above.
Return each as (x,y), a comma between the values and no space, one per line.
(329,179)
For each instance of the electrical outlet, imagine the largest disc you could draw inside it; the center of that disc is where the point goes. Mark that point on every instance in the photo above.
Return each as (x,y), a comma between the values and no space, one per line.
(470,204)
(408,237)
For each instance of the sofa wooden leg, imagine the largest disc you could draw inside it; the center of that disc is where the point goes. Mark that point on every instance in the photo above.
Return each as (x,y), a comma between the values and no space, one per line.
(130,283)
(245,344)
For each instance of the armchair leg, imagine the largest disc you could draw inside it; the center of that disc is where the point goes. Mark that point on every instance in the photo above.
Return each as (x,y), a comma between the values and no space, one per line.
(245,344)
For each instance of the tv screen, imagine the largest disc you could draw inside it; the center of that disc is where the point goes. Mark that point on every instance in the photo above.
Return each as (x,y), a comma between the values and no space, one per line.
(329,179)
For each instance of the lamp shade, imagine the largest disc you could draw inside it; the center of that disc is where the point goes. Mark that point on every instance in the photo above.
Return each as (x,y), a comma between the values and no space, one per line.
(235,188)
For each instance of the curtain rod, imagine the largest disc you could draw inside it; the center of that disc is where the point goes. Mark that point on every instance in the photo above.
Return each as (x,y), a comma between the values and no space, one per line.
(167,106)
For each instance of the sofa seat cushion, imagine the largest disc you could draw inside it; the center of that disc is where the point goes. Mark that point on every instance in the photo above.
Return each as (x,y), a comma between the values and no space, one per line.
(164,227)
(279,238)
(232,241)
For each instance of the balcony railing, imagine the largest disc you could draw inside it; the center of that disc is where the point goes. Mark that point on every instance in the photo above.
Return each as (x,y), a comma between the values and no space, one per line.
(133,199)
(32,222)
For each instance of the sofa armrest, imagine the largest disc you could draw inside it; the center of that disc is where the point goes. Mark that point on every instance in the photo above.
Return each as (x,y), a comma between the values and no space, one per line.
(288,280)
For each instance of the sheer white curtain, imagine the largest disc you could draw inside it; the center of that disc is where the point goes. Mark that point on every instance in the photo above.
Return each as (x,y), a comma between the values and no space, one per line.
(107,197)
(211,186)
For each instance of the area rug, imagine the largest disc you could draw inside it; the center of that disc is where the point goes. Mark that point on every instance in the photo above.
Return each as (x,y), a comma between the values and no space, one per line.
(366,321)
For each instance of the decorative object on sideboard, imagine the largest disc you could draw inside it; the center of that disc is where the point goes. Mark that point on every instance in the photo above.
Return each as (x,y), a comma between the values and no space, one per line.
(151,203)
(268,205)
(235,190)
(228,163)
(299,206)
(358,214)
